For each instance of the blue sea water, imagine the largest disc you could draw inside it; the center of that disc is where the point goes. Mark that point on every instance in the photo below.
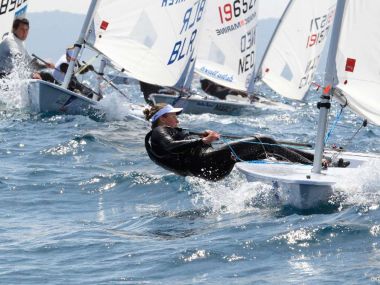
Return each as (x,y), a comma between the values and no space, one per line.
(81,203)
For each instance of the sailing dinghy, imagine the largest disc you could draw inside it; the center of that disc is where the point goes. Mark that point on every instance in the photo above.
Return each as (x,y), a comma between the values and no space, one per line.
(352,72)
(46,97)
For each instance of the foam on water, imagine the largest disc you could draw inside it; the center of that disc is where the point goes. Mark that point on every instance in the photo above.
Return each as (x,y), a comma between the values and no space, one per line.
(362,186)
(14,90)
(118,107)
(233,194)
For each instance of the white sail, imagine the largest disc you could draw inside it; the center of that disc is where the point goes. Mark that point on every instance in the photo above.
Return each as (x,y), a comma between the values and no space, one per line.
(153,40)
(358,61)
(227,46)
(8,11)
(292,58)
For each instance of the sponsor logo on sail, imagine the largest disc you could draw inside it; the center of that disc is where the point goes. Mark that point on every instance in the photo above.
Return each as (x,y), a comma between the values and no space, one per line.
(235,26)
(216,74)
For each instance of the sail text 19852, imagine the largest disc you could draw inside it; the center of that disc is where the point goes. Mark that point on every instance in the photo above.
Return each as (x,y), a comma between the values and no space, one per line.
(185,45)
(10,5)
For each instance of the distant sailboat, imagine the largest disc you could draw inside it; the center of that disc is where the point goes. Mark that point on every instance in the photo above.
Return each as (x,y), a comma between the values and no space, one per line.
(47,97)
(226,57)
(352,73)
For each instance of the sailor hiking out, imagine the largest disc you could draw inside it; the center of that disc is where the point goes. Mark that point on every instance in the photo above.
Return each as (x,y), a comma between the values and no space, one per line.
(178,151)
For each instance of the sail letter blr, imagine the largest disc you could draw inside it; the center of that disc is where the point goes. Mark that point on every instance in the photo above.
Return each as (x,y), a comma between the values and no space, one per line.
(192,17)
(185,46)
(179,47)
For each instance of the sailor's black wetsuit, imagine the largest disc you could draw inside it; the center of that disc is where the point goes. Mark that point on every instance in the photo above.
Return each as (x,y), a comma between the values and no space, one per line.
(176,150)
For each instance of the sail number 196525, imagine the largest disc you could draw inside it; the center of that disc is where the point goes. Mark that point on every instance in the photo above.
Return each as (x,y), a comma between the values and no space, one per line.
(229,11)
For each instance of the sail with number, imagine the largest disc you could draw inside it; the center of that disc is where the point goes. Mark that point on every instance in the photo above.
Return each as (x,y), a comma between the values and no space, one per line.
(291,60)
(357,59)
(8,11)
(155,41)
(226,53)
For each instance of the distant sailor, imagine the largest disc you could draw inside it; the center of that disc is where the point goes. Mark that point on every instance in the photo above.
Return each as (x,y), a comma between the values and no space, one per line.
(222,92)
(148,89)
(60,70)
(13,54)
(176,150)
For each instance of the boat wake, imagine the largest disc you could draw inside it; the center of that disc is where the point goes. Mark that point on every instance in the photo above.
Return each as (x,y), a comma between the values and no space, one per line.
(233,195)
(119,109)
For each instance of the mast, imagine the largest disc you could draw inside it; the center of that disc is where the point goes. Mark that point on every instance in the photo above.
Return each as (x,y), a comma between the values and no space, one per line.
(256,75)
(330,75)
(80,41)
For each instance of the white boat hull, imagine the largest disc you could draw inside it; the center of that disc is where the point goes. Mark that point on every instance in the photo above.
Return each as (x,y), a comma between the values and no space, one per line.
(46,97)
(196,105)
(297,185)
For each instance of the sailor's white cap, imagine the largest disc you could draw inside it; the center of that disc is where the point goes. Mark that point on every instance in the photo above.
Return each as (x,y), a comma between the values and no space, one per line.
(167,109)
(70,52)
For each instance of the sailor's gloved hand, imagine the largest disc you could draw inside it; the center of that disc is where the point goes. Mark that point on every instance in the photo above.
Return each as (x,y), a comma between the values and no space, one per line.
(210,136)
